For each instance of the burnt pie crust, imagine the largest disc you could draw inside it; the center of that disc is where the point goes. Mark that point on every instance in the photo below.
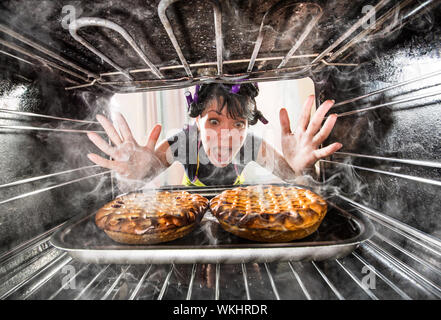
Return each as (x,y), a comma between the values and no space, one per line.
(148,218)
(269,213)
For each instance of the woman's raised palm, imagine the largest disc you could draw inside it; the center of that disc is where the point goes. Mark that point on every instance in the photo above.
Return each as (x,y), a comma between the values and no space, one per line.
(301,147)
(129,159)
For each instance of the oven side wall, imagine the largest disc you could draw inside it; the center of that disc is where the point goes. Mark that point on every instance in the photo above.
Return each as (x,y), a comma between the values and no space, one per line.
(409,193)
(30,209)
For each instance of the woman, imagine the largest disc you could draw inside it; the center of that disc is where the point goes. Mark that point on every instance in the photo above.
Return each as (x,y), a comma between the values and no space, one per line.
(217,148)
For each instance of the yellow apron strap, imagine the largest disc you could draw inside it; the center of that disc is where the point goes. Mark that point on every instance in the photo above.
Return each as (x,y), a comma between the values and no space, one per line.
(239,180)
(187,182)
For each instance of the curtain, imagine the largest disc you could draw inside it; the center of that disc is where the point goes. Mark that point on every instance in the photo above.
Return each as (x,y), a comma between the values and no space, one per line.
(143,110)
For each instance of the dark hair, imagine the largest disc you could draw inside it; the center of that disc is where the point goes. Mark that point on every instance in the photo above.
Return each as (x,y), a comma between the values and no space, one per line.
(239,105)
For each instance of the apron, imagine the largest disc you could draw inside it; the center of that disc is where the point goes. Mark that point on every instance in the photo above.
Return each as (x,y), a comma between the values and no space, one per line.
(198,183)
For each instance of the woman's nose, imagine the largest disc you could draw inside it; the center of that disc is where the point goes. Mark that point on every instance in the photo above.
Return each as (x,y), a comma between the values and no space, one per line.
(230,137)
(224,135)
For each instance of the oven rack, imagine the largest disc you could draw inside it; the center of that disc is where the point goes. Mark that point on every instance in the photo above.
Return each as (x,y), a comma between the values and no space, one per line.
(40,272)
(83,78)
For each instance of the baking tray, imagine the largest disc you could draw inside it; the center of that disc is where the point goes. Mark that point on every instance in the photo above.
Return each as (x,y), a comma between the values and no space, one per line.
(338,235)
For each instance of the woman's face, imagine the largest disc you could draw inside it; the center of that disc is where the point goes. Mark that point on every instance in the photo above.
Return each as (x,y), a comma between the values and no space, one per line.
(221,136)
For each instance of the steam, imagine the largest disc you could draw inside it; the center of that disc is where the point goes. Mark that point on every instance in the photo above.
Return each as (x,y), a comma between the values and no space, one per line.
(344,180)
(211,237)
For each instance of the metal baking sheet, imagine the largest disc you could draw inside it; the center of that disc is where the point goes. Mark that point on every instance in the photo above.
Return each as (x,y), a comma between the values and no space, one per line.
(338,235)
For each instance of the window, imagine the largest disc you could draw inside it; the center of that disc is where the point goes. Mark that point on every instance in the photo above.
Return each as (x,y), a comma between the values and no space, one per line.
(143,110)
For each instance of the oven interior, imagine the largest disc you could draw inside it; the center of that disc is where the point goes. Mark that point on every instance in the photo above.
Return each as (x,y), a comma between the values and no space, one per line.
(61,63)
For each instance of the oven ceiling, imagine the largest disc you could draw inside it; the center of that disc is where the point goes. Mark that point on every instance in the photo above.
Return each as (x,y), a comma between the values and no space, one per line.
(303,32)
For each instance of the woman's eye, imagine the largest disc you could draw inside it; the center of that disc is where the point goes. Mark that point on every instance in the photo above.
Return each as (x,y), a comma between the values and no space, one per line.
(213,121)
(240,125)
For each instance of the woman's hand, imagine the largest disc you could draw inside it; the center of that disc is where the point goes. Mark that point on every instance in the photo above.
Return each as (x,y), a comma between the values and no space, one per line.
(130,160)
(301,148)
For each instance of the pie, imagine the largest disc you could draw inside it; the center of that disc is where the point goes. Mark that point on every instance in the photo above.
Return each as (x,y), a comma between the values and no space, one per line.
(154,217)
(269,213)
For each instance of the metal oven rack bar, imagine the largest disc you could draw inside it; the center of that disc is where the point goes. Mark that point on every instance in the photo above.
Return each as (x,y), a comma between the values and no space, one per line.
(162,7)
(32,114)
(405,176)
(190,80)
(43,61)
(51,187)
(377,24)
(413,98)
(33,290)
(98,22)
(287,280)
(277,7)
(432,164)
(351,30)
(42,49)
(400,84)
(416,162)
(93,79)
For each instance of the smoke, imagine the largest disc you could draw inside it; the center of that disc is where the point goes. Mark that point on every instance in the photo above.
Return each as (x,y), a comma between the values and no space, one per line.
(69,150)
(209,230)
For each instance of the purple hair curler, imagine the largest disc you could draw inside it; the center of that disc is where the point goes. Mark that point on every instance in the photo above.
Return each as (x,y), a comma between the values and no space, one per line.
(235,88)
(263,119)
(189,99)
(196,91)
